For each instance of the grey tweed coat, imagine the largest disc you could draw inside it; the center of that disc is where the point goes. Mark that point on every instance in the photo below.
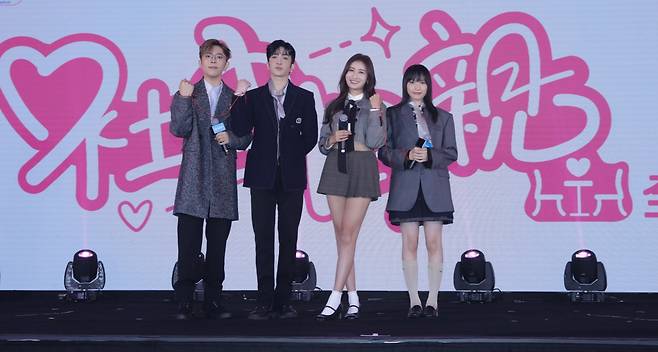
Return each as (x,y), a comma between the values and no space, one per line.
(207,177)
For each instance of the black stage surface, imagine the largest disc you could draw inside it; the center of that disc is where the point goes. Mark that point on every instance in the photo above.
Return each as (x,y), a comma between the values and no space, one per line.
(144,321)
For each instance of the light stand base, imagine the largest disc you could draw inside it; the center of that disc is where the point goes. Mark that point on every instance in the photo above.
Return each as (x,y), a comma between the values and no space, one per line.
(475,296)
(82,295)
(587,296)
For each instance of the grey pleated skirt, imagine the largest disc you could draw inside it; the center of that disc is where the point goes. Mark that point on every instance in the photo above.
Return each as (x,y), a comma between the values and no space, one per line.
(361,179)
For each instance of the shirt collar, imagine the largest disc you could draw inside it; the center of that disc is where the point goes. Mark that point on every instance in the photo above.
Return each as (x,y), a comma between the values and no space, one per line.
(283,91)
(354,97)
(413,105)
(209,86)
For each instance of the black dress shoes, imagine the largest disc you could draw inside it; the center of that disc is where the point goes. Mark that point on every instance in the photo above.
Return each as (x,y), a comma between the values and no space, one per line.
(260,313)
(214,310)
(415,312)
(430,312)
(286,312)
(336,314)
(185,311)
(353,315)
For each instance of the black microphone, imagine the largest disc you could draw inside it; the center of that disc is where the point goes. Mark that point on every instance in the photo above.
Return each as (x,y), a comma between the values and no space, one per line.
(343,125)
(419,143)
(219,128)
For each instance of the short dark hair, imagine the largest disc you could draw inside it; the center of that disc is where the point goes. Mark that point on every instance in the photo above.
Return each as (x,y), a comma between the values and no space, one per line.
(209,43)
(287,49)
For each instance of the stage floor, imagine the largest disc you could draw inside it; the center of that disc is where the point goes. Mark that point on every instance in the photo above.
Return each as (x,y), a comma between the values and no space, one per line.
(144,320)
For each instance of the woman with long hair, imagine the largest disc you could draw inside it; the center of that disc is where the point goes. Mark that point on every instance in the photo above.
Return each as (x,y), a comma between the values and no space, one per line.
(419,147)
(352,129)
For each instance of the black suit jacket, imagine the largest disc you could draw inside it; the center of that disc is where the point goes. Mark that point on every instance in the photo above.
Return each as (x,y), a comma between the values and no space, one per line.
(298,136)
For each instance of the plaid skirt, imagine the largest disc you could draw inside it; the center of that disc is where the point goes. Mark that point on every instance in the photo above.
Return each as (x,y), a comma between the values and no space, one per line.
(361,179)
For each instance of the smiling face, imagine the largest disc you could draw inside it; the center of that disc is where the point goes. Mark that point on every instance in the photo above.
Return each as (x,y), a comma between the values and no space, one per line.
(417,89)
(280,63)
(356,77)
(213,63)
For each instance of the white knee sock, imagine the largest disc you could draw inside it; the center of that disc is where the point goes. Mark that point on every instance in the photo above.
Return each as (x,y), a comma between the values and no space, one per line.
(410,270)
(353,299)
(333,302)
(435,274)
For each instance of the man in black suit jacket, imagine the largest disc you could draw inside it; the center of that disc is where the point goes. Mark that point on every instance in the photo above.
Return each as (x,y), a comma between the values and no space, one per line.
(285,129)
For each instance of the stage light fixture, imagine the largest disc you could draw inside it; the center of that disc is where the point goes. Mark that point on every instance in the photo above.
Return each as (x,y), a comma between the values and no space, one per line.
(84,277)
(199,268)
(585,278)
(474,277)
(304,279)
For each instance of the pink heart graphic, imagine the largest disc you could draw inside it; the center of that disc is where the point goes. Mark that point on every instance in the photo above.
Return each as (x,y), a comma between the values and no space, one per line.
(135,217)
(49,87)
(60,99)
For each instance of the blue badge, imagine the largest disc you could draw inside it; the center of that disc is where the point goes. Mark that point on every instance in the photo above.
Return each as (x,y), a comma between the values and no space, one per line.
(218,128)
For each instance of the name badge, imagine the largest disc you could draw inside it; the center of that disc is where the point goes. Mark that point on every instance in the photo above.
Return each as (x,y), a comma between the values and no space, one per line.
(218,128)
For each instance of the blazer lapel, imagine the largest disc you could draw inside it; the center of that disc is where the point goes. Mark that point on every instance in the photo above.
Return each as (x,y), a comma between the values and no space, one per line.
(436,129)
(202,104)
(224,103)
(291,96)
(268,100)
(407,117)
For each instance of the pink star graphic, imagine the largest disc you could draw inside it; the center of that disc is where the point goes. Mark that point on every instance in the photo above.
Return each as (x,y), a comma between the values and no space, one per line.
(375,22)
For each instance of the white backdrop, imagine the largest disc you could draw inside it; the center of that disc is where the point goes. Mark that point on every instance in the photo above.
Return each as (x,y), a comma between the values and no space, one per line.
(550,99)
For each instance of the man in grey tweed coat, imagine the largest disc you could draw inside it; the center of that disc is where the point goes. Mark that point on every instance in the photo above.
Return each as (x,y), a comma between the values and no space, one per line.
(207,187)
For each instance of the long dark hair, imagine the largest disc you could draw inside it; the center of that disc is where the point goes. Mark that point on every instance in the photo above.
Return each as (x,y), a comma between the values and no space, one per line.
(414,73)
(368,89)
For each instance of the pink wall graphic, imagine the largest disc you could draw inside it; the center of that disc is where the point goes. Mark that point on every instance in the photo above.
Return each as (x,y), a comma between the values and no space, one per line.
(513,102)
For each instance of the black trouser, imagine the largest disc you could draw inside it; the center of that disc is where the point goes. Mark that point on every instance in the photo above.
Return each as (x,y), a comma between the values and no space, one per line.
(190,236)
(263,208)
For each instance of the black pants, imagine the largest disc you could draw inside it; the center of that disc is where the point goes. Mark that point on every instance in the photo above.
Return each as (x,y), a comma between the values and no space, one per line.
(263,208)
(190,236)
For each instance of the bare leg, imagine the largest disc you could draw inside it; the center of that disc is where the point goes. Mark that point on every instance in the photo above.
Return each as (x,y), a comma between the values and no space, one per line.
(353,215)
(434,242)
(410,261)
(347,215)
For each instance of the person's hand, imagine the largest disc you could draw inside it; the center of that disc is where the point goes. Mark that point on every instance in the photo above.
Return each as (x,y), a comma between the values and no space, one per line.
(339,136)
(421,155)
(375,101)
(242,87)
(185,88)
(418,154)
(223,138)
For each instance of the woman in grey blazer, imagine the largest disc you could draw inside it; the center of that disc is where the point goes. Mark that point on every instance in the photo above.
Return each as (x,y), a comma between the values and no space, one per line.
(419,147)
(353,127)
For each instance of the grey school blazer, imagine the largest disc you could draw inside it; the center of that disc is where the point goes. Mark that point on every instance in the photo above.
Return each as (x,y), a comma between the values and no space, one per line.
(432,176)
(207,177)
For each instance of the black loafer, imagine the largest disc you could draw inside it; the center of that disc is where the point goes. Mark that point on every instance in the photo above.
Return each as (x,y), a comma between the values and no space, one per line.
(260,313)
(352,316)
(333,316)
(185,311)
(287,312)
(430,312)
(415,312)
(214,310)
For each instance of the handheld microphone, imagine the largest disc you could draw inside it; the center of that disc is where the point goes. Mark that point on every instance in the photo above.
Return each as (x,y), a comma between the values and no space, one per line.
(219,128)
(419,143)
(343,125)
